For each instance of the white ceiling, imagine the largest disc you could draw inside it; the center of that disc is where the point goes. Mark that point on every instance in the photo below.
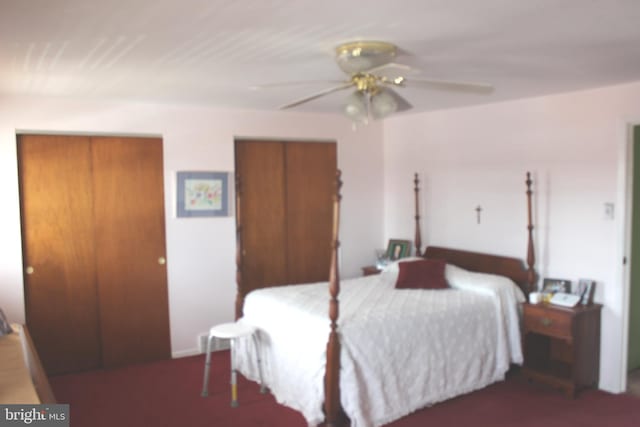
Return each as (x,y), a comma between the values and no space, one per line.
(210,51)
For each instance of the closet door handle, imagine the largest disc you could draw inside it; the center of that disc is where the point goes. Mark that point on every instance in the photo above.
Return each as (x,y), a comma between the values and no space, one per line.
(162,260)
(29,270)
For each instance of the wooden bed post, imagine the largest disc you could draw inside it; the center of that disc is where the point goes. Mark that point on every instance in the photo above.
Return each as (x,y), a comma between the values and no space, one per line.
(332,408)
(531,274)
(240,288)
(418,238)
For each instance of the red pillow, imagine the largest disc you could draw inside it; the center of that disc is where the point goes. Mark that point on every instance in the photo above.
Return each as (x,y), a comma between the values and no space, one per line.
(423,274)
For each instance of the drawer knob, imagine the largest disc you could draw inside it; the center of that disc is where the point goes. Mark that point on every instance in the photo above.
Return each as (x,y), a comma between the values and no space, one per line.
(546,321)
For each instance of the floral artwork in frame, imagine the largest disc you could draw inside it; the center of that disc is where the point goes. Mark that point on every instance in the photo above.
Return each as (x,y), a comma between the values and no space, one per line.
(202,194)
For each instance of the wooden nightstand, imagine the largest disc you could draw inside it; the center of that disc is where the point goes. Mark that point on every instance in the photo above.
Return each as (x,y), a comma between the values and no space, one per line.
(562,345)
(370,270)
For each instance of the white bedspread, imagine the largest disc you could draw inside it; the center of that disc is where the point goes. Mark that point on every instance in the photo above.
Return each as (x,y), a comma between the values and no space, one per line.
(401,349)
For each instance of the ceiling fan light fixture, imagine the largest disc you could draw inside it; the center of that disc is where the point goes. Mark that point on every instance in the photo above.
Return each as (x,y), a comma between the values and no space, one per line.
(355,107)
(383,104)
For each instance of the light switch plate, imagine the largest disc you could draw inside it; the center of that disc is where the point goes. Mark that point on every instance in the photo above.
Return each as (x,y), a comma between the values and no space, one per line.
(609,211)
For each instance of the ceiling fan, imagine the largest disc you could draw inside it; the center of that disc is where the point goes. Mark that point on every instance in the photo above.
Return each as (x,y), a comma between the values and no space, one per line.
(373,75)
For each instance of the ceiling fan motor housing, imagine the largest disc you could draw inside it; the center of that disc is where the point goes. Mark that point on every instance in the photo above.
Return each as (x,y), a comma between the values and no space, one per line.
(358,57)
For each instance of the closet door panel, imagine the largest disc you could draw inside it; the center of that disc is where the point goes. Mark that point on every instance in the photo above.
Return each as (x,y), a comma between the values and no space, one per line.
(260,165)
(310,177)
(58,250)
(130,237)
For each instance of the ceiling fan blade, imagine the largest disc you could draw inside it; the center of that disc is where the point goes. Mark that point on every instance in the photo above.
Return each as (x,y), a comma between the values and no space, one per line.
(316,95)
(299,83)
(448,85)
(388,66)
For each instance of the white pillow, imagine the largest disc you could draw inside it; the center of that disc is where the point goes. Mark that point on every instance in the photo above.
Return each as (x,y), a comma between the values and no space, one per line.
(491,283)
(393,265)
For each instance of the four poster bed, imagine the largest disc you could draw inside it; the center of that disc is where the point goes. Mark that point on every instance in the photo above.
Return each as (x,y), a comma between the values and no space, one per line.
(392,343)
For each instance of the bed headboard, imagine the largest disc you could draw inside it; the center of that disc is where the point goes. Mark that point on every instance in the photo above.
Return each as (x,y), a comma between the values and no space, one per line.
(512,268)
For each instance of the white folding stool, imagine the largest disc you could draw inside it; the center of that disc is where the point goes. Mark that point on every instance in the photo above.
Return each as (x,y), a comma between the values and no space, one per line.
(231,332)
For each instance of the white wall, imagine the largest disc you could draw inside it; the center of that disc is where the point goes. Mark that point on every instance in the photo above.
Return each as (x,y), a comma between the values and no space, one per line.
(479,156)
(200,251)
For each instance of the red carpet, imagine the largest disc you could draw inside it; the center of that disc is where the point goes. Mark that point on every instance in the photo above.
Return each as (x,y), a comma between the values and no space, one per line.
(167,393)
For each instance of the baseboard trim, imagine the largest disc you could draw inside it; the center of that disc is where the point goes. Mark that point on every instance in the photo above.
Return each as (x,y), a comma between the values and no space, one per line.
(185,353)
(195,351)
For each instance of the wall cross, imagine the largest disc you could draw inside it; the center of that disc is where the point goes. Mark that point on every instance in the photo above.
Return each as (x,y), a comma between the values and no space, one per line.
(478,213)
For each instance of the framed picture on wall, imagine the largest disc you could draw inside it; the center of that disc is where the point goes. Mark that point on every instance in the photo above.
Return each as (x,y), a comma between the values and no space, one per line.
(202,194)
(397,249)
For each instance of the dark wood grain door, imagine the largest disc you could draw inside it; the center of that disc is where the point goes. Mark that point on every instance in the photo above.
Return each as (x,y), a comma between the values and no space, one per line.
(260,165)
(94,250)
(310,172)
(285,214)
(58,250)
(130,237)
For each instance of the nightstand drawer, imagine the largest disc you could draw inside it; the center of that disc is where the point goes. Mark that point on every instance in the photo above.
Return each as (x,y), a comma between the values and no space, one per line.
(554,323)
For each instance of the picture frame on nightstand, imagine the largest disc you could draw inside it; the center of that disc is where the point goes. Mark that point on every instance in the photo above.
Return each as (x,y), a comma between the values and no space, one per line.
(586,290)
(397,249)
(556,285)
(5,327)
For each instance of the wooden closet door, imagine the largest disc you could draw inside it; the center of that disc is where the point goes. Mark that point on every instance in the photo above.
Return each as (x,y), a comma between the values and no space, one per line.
(58,250)
(286,211)
(130,237)
(310,175)
(260,165)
